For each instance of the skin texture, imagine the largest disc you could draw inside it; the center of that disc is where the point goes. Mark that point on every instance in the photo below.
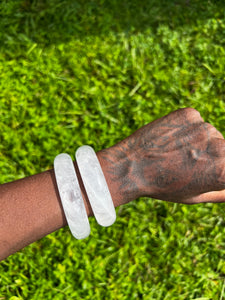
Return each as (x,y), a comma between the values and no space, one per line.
(177,158)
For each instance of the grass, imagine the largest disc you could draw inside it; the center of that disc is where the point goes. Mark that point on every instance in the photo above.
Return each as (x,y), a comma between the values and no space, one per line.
(92,72)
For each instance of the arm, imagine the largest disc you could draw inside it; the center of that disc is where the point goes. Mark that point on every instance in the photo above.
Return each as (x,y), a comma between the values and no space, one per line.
(31,207)
(177,158)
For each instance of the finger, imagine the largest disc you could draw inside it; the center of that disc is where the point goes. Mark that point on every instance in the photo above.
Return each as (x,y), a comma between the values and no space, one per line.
(216,151)
(210,197)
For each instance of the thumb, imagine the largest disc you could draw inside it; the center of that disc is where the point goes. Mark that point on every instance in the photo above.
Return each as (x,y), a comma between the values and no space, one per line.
(210,197)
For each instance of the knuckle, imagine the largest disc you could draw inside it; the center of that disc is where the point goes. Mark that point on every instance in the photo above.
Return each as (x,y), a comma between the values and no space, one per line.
(210,127)
(213,131)
(191,113)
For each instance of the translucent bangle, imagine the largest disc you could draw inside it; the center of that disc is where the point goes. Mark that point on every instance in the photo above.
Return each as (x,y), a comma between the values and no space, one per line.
(95,185)
(71,197)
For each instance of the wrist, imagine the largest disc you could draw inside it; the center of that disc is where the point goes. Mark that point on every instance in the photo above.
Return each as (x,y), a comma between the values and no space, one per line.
(116,167)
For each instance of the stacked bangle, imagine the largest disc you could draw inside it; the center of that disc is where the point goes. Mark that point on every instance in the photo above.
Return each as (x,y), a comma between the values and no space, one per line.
(71,198)
(95,186)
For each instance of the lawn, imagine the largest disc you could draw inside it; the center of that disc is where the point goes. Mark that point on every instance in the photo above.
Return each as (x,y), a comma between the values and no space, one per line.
(92,72)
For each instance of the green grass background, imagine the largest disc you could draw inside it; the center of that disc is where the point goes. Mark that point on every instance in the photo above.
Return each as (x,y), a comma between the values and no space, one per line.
(92,72)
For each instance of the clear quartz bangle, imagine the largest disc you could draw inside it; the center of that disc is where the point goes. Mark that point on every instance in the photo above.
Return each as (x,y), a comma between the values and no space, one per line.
(95,185)
(71,196)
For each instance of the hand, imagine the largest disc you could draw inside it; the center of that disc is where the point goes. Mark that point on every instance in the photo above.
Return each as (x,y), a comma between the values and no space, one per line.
(178,158)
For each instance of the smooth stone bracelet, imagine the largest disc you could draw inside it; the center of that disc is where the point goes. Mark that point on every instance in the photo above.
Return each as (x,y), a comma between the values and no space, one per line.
(95,185)
(71,196)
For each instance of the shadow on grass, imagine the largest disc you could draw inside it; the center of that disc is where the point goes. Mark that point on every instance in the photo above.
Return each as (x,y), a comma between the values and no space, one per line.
(55,21)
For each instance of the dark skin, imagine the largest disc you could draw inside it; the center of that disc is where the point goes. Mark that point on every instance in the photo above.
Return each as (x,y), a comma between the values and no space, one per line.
(177,158)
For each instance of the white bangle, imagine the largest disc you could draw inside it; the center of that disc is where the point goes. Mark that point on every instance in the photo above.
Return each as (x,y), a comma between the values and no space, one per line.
(95,185)
(71,197)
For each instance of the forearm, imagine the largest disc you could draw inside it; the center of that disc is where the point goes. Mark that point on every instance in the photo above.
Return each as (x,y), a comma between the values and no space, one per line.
(31,207)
